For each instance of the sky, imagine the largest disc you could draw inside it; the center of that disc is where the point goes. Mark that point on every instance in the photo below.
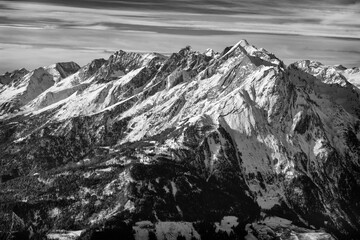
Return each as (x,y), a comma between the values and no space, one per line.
(39,33)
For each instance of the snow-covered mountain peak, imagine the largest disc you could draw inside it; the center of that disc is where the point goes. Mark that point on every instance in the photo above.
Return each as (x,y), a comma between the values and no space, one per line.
(257,56)
(62,70)
(327,74)
(352,75)
(24,89)
(209,53)
(235,138)
(15,75)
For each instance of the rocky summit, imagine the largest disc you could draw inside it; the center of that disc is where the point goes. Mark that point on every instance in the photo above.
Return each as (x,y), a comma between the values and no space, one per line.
(230,145)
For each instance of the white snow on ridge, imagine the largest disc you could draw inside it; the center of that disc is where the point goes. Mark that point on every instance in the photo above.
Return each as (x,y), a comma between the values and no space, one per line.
(227,224)
(171,230)
(27,88)
(353,76)
(173,188)
(64,235)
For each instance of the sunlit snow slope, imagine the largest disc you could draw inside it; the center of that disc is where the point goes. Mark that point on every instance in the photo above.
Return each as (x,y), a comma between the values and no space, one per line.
(227,145)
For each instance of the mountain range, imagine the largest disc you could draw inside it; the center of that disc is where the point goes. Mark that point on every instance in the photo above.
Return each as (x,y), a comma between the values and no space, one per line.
(230,145)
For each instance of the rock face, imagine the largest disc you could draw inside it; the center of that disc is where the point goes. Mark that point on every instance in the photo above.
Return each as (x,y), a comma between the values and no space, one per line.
(62,70)
(227,145)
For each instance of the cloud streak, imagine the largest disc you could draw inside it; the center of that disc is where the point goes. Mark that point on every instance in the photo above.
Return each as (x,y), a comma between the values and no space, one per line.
(165,26)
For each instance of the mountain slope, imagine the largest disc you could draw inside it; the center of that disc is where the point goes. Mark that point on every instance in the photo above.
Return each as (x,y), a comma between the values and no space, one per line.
(20,87)
(209,145)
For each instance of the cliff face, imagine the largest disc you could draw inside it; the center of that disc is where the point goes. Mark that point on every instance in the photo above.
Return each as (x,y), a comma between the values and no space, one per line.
(213,145)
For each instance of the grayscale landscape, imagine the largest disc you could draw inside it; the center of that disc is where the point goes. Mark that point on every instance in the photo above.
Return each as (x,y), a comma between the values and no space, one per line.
(157,120)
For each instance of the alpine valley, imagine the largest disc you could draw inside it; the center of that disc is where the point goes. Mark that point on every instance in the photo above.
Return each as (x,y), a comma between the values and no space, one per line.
(230,145)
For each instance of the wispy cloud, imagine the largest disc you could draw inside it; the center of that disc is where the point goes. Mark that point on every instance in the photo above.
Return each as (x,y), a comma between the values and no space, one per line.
(165,26)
